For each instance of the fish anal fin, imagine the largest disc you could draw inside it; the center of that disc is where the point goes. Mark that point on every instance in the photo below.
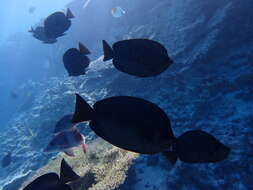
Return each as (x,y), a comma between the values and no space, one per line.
(69,152)
(69,14)
(108,52)
(83,111)
(171,156)
(84,50)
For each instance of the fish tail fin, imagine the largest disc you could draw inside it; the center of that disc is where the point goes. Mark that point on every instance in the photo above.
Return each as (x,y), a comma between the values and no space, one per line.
(67,174)
(84,50)
(171,156)
(31,30)
(108,52)
(70,14)
(83,111)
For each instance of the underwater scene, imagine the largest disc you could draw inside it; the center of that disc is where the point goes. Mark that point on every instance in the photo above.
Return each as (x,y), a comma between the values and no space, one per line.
(126,95)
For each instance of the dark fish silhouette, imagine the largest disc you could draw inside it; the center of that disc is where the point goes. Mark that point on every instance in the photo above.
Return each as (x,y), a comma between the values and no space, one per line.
(7,159)
(66,173)
(57,24)
(65,123)
(138,57)
(198,147)
(75,61)
(39,34)
(127,122)
(51,181)
(65,141)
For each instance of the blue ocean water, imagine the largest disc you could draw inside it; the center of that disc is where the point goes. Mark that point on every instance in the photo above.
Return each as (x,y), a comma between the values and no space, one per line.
(209,87)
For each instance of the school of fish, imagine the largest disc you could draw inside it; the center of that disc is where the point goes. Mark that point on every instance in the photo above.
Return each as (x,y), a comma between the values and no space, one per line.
(130,123)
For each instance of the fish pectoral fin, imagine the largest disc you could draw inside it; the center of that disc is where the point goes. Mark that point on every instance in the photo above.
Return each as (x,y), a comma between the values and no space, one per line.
(69,152)
(171,156)
(108,52)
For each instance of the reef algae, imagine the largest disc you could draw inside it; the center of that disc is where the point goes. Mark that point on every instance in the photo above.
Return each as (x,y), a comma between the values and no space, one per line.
(104,166)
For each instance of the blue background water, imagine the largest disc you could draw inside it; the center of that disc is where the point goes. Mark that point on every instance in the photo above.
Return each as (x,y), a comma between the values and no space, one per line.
(209,87)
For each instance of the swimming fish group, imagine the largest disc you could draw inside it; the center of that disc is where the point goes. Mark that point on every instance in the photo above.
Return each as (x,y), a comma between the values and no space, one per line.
(55,25)
(137,57)
(140,126)
(130,123)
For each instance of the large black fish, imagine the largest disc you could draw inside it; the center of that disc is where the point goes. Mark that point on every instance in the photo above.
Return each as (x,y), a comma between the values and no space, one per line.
(65,123)
(127,122)
(76,61)
(57,23)
(138,57)
(7,160)
(39,34)
(51,181)
(198,147)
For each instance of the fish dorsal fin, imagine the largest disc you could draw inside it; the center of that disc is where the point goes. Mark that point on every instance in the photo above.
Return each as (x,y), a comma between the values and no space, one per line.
(67,174)
(171,156)
(108,52)
(31,30)
(45,181)
(83,111)
(69,14)
(69,152)
(84,50)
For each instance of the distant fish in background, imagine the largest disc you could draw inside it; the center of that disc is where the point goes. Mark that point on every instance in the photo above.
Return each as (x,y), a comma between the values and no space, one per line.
(14,94)
(65,123)
(65,141)
(57,24)
(51,181)
(138,57)
(76,61)
(7,159)
(117,12)
(31,10)
(39,34)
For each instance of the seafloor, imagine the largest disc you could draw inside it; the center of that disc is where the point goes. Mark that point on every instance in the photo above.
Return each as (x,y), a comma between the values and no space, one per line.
(209,87)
